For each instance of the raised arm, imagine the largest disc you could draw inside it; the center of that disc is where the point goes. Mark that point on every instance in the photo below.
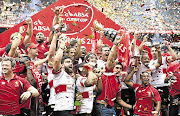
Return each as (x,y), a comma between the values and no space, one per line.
(16,42)
(140,48)
(29,31)
(90,80)
(127,79)
(55,21)
(158,64)
(112,54)
(58,56)
(173,56)
(133,42)
(53,47)
(78,51)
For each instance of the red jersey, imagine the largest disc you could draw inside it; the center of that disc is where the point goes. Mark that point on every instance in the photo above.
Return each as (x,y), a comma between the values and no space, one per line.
(2,51)
(174,89)
(42,48)
(111,87)
(145,98)
(10,92)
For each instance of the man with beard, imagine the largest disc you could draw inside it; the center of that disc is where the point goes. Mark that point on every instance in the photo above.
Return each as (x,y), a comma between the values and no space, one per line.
(159,75)
(63,82)
(145,95)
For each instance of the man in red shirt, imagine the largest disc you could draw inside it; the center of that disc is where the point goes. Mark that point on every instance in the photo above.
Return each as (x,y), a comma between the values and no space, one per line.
(173,77)
(43,45)
(11,89)
(145,95)
(111,87)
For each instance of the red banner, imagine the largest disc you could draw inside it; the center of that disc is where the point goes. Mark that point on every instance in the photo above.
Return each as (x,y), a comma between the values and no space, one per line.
(78,16)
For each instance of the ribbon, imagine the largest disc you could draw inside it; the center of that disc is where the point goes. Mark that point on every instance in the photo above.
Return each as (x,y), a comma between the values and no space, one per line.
(94,43)
(39,80)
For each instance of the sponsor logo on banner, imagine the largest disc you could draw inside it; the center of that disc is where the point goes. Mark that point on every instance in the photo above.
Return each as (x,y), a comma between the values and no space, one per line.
(77,17)
(38,26)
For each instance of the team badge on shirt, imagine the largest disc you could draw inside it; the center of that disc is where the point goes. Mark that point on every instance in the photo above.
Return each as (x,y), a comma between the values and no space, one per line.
(16,84)
(3,83)
(42,46)
(149,94)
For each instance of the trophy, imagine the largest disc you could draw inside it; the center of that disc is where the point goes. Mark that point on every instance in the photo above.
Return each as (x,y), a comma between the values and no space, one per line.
(98,26)
(110,33)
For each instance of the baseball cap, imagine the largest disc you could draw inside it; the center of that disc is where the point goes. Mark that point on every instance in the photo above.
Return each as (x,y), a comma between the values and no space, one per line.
(31,46)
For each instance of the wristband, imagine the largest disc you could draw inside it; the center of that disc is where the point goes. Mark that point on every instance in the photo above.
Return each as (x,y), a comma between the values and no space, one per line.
(31,93)
(115,44)
(28,68)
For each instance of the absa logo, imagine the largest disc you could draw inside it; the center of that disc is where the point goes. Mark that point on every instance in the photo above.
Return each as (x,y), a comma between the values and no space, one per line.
(77,17)
(38,26)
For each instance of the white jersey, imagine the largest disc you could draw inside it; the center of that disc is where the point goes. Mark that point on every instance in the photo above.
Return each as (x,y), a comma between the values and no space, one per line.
(50,85)
(143,68)
(64,85)
(101,64)
(87,93)
(159,74)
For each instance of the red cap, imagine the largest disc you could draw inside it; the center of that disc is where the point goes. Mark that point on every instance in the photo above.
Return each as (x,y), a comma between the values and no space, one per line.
(31,46)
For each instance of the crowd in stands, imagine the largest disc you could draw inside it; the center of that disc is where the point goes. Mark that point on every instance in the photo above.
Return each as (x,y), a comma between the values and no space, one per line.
(57,79)
(17,11)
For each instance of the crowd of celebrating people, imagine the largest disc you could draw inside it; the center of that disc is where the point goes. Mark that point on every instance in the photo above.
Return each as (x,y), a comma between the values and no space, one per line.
(60,79)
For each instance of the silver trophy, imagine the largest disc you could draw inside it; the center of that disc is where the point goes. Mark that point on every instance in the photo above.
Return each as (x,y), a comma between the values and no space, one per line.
(110,33)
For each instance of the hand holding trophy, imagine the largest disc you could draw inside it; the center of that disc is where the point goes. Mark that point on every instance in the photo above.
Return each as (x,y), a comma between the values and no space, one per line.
(109,33)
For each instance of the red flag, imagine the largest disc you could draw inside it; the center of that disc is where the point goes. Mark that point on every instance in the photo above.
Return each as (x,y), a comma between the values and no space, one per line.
(123,49)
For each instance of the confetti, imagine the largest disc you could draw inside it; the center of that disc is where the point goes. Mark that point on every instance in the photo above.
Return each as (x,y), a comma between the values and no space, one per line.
(74,23)
(144,14)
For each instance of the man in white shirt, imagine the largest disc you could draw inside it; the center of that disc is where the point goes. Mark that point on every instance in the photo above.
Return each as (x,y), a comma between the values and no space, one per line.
(64,83)
(159,75)
(85,86)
